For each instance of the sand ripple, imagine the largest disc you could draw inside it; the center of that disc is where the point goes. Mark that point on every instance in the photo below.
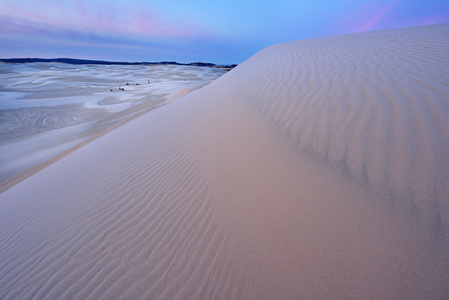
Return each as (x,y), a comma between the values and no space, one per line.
(120,233)
(374,106)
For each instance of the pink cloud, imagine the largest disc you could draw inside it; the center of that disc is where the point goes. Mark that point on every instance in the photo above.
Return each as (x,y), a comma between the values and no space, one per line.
(101,18)
(376,19)
(439,18)
(368,16)
(383,14)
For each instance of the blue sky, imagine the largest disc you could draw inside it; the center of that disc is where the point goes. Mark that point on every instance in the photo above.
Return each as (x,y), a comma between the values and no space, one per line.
(222,32)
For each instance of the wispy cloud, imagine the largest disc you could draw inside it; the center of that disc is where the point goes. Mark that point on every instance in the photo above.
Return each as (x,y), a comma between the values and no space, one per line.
(375,16)
(383,14)
(437,18)
(100,18)
(355,17)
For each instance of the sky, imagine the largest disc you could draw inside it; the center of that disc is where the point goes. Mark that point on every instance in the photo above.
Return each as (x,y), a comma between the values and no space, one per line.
(221,32)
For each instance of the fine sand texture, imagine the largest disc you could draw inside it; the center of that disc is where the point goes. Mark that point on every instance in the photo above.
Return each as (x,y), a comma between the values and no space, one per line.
(317,169)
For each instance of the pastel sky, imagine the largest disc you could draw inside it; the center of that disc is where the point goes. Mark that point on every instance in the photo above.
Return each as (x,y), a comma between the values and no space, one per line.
(222,32)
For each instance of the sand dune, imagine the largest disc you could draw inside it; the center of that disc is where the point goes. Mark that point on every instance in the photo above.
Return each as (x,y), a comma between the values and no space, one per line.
(377,110)
(315,169)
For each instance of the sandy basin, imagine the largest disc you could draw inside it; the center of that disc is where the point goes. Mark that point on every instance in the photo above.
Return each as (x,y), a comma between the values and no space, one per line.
(46,108)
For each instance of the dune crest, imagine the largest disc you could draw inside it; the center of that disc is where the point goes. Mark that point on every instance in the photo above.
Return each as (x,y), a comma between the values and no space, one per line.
(373,105)
(315,169)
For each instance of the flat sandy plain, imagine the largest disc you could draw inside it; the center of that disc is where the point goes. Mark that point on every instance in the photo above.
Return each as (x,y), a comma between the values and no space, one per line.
(316,169)
(47,108)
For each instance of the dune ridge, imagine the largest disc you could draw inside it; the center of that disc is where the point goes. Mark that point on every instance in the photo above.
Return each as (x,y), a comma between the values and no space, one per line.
(365,104)
(315,169)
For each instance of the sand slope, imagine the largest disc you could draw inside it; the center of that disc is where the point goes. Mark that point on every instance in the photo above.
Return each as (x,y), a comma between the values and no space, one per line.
(316,169)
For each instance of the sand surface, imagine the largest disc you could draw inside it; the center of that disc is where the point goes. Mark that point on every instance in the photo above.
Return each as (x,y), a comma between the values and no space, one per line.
(47,108)
(317,169)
